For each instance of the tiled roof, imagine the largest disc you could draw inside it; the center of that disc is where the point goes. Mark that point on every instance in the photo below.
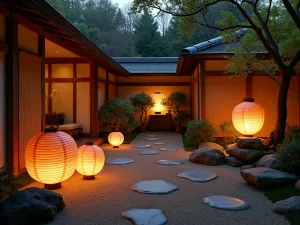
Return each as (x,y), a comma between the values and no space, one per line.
(148,64)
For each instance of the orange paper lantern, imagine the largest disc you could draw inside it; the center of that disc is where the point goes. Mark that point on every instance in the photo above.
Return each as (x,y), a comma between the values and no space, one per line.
(90,160)
(248,117)
(51,157)
(158,107)
(115,139)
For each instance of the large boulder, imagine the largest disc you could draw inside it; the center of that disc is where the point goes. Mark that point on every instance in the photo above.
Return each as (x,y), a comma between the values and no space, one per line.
(207,156)
(290,205)
(233,161)
(245,154)
(297,185)
(265,178)
(249,142)
(30,206)
(269,161)
(210,145)
(247,167)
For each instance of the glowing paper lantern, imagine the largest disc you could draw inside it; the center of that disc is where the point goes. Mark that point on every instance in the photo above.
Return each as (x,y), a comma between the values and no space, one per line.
(158,107)
(115,138)
(51,157)
(248,117)
(90,160)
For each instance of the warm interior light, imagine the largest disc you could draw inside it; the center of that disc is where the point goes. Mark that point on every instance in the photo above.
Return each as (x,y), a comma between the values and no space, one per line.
(158,97)
(90,160)
(248,117)
(115,138)
(51,157)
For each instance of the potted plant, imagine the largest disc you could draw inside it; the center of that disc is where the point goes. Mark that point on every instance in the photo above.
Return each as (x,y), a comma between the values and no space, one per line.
(176,103)
(142,103)
(117,115)
(61,117)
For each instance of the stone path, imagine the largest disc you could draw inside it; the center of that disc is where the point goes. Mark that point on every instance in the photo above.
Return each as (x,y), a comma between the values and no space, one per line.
(102,200)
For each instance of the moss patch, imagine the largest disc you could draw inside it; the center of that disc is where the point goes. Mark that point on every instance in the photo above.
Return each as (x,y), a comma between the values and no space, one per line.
(284,193)
(189,146)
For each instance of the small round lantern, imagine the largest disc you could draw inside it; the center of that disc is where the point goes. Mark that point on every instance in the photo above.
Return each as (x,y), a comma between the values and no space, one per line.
(248,117)
(158,107)
(90,160)
(51,157)
(115,138)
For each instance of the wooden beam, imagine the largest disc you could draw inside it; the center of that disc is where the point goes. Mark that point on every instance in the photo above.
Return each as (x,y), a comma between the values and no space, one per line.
(199,90)
(42,55)
(3,47)
(65,60)
(192,100)
(49,80)
(94,100)
(12,96)
(107,86)
(74,92)
(67,79)
(202,89)
(156,84)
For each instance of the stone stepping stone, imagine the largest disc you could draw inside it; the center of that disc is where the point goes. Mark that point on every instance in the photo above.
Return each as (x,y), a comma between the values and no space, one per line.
(225,202)
(118,161)
(168,149)
(152,139)
(147,153)
(198,175)
(150,135)
(158,143)
(170,162)
(154,187)
(145,216)
(141,146)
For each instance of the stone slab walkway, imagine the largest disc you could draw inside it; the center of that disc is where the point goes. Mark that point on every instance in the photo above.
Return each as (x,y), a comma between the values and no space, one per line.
(102,200)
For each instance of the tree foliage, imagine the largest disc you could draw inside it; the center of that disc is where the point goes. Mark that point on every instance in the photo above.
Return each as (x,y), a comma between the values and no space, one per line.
(118,115)
(142,103)
(8,184)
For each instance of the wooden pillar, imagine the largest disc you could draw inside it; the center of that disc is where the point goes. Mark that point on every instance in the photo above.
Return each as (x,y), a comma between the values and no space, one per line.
(12,96)
(94,100)
(42,55)
(49,88)
(107,86)
(192,97)
(74,92)
(249,86)
(202,89)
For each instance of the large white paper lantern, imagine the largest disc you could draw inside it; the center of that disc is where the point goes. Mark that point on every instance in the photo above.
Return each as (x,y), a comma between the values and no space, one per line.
(51,157)
(248,117)
(115,138)
(158,107)
(91,160)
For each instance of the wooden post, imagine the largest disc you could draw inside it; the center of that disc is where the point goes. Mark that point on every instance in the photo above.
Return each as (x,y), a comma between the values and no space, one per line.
(12,96)
(107,86)
(42,55)
(94,100)
(74,93)
(249,86)
(202,89)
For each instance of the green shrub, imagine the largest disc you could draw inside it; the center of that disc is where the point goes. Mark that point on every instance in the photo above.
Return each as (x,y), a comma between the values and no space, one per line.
(201,130)
(117,115)
(228,128)
(288,154)
(142,103)
(8,184)
(292,131)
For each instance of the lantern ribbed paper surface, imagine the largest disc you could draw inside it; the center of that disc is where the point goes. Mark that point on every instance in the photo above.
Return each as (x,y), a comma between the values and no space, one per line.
(51,157)
(158,97)
(115,138)
(248,117)
(91,160)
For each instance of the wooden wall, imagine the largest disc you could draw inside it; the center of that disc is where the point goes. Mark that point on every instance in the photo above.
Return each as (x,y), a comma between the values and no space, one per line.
(2,109)
(219,94)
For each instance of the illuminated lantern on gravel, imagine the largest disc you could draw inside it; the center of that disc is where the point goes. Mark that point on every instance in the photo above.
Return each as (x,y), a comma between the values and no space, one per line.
(91,160)
(158,107)
(248,117)
(51,157)
(115,139)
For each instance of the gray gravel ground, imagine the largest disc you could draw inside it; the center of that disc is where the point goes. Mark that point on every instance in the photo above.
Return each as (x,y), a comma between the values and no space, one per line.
(101,201)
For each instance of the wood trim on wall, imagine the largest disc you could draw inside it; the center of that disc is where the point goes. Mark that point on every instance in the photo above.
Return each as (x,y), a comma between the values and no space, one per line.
(42,55)
(66,79)
(156,84)
(74,92)
(107,86)
(65,60)
(12,96)
(199,89)
(203,73)
(93,100)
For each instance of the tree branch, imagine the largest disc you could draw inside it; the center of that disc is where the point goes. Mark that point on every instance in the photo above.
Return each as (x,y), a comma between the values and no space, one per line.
(268,13)
(295,60)
(294,13)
